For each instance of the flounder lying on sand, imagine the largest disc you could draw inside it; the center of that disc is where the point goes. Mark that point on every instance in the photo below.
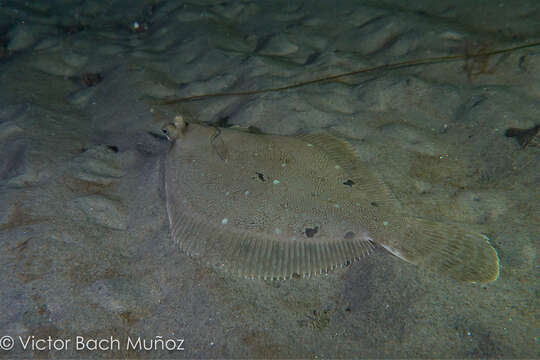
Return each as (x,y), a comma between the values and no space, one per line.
(276,207)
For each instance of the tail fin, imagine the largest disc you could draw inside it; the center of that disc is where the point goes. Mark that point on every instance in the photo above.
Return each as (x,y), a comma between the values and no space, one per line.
(446,249)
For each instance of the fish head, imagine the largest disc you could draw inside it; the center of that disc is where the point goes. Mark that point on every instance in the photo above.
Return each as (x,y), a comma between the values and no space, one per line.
(174,128)
(188,137)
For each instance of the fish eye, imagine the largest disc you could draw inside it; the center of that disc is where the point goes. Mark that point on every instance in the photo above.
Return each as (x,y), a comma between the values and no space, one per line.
(169,131)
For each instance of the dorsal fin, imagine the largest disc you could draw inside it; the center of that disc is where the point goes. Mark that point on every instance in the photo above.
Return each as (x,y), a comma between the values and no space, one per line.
(345,156)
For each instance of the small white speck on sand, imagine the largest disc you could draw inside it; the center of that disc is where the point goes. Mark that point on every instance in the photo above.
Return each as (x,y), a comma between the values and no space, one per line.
(224,221)
(277,231)
(276,182)
(246,193)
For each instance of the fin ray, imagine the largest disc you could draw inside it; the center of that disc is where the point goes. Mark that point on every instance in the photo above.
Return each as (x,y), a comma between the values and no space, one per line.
(446,249)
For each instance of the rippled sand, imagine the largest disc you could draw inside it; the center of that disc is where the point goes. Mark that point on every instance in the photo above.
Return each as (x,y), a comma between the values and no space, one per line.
(86,249)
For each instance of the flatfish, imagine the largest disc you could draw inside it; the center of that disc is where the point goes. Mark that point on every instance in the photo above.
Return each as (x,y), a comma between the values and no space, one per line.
(277,207)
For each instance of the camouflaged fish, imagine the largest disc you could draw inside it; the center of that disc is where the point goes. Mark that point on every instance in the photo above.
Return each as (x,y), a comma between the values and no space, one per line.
(276,207)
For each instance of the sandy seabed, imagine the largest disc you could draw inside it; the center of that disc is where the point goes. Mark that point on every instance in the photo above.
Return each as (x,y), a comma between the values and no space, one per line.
(85,245)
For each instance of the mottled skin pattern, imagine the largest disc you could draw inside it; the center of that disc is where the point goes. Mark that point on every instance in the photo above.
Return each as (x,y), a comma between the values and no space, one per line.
(281,206)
